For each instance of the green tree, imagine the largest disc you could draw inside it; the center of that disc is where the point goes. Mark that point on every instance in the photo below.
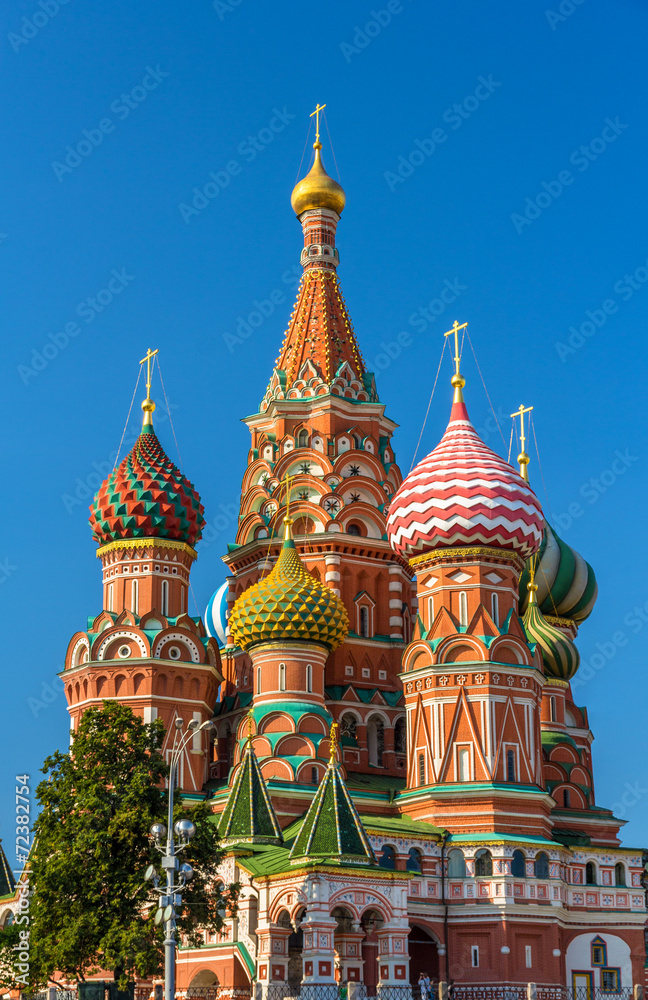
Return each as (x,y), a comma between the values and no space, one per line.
(91,909)
(9,939)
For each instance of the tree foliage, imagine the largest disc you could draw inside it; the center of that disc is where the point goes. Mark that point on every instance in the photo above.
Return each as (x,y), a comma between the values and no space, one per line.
(91,909)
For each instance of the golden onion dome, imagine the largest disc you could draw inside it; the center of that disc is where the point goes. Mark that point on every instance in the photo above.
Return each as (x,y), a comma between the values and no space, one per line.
(317,189)
(289,604)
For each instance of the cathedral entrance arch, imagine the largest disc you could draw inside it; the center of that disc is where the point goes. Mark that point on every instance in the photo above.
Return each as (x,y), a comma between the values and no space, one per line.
(295,949)
(423,953)
(371,922)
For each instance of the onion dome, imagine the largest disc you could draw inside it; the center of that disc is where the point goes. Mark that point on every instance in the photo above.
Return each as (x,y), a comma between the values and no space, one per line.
(567,586)
(289,604)
(146,496)
(317,189)
(216,615)
(463,494)
(559,654)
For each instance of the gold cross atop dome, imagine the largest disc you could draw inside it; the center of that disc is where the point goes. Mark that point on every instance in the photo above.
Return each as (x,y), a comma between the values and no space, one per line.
(316,112)
(457,380)
(148,405)
(333,736)
(523,458)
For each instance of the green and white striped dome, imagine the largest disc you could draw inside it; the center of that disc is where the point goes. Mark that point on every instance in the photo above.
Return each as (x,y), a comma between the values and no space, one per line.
(559,654)
(567,586)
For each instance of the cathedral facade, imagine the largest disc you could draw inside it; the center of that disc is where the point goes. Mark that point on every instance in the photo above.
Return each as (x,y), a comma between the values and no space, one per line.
(402,780)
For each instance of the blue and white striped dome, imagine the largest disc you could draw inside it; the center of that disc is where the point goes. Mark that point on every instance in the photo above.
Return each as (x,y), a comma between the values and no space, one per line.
(216,615)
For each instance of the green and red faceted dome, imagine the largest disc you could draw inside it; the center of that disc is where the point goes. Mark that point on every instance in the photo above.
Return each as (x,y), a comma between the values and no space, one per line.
(146,496)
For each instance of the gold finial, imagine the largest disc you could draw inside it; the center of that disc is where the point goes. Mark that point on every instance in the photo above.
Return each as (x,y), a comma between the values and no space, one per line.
(457,380)
(333,736)
(250,720)
(523,458)
(316,112)
(148,405)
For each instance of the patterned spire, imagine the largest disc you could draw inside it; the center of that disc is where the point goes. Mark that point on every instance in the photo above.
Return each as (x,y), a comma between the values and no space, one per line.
(7,880)
(249,817)
(332,830)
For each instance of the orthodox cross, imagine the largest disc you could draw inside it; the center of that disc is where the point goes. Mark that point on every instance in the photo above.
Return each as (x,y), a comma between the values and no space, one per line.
(523,458)
(148,357)
(334,741)
(316,112)
(455,329)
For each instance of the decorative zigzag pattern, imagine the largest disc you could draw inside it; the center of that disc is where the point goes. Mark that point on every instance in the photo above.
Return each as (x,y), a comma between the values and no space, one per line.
(463,493)
(147,497)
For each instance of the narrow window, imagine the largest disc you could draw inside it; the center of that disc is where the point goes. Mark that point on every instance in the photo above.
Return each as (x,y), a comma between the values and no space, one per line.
(302,440)
(510,765)
(309,677)
(590,873)
(474,954)
(388,858)
(258,679)
(421,763)
(364,622)
(463,608)
(552,709)
(518,868)
(619,874)
(182,600)
(165,597)
(463,756)
(414,861)
(110,597)
(541,865)
(430,612)
(483,864)
(527,956)
(313,775)
(566,799)
(282,676)
(456,864)
(495,608)
(134,596)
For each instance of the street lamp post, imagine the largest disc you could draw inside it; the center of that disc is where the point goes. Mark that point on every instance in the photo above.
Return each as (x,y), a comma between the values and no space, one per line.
(177,875)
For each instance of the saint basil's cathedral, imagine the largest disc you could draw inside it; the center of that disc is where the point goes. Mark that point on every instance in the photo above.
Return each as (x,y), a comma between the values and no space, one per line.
(400,776)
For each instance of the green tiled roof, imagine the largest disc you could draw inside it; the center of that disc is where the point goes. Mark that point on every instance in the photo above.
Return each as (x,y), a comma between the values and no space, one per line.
(248,816)
(551,738)
(7,881)
(332,830)
(400,826)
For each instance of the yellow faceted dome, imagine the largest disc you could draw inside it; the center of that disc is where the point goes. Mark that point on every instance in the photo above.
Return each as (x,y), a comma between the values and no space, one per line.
(288,605)
(317,189)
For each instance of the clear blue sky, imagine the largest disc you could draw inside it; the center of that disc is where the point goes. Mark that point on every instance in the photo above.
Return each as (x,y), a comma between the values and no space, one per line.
(165,94)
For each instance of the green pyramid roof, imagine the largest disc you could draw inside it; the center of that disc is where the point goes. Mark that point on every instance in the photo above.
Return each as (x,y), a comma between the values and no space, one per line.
(7,880)
(248,816)
(332,830)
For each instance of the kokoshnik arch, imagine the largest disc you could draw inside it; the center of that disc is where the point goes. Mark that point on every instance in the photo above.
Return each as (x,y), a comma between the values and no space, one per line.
(400,775)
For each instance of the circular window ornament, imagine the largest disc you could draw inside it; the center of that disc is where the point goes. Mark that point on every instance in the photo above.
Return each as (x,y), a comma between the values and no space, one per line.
(174,652)
(124,652)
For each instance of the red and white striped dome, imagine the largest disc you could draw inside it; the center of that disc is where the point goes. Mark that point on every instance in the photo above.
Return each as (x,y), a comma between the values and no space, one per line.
(463,493)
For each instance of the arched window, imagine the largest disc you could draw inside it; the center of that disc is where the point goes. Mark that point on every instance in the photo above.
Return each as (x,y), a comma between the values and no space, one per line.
(495,608)
(353,529)
(590,873)
(349,724)
(282,676)
(541,865)
(134,596)
(431,611)
(463,763)
(463,608)
(483,863)
(456,864)
(309,677)
(510,765)
(414,861)
(400,741)
(165,597)
(258,679)
(619,873)
(388,857)
(364,621)
(182,600)
(302,439)
(518,867)
(376,741)
(110,597)
(421,768)
(566,798)
(314,774)
(552,709)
